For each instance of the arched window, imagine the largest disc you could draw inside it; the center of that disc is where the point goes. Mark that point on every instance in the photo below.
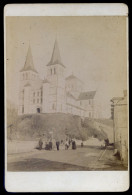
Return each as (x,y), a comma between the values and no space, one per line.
(89,114)
(22,109)
(23,95)
(26,76)
(54,71)
(61,107)
(33,101)
(92,115)
(52,106)
(51,71)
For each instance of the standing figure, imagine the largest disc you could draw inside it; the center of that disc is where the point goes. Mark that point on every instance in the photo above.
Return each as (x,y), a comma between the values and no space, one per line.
(50,145)
(106,142)
(73,145)
(40,144)
(66,145)
(61,141)
(57,145)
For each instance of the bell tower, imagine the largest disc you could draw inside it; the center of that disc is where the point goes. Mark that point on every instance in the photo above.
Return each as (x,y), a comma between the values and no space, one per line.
(55,75)
(28,76)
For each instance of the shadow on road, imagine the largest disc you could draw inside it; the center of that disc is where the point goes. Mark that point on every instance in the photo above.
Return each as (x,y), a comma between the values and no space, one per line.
(35,164)
(92,147)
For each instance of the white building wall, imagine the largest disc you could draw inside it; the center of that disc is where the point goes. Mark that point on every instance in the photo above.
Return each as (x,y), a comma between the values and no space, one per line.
(54,98)
(45,98)
(121,129)
(27,92)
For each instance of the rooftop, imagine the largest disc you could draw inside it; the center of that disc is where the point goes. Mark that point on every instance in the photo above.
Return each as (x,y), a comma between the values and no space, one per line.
(55,58)
(72,77)
(29,62)
(70,95)
(27,85)
(45,81)
(87,95)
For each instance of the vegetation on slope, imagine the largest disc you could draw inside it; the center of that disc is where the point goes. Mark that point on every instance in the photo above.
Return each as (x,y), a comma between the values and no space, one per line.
(57,125)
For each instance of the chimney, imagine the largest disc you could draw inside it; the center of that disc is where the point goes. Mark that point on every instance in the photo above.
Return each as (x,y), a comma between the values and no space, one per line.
(125,93)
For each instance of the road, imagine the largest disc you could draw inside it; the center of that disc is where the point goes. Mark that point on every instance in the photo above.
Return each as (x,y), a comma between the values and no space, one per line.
(82,159)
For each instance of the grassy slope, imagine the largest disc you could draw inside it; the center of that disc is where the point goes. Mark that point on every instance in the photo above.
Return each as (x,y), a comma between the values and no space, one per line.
(32,126)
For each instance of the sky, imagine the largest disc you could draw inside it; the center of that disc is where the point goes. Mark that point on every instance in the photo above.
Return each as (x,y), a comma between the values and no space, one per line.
(92,48)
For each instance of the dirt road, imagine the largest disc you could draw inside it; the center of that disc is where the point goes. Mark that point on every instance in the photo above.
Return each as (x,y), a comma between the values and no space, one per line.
(87,158)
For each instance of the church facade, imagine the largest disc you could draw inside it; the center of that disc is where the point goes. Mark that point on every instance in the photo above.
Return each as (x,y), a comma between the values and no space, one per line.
(55,93)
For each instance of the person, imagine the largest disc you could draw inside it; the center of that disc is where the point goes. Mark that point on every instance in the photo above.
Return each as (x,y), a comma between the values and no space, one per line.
(57,144)
(82,144)
(106,142)
(40,144)
(66,145)
(61,141)
(73,145)
(50,145)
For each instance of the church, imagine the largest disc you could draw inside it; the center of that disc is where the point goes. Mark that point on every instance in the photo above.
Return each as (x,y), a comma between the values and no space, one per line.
(55,93)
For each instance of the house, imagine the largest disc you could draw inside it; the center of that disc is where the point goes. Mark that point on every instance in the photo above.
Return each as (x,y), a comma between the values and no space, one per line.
(121,126)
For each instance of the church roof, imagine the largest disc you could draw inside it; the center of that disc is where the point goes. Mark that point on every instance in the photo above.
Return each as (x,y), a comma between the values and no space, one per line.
(27,85)
(87,95)
(70,95)
(72,77)
(29,62)
(45,81)
(119,100)
(116,98)
(55,58)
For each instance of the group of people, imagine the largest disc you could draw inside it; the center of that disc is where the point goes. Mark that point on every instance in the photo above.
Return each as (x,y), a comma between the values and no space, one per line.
(105,143)
(49,145)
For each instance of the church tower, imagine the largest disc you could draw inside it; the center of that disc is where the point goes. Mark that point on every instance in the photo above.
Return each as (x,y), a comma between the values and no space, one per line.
(55,75)
(28,77)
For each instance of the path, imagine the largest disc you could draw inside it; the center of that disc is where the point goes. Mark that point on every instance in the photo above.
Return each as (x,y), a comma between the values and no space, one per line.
(64,160)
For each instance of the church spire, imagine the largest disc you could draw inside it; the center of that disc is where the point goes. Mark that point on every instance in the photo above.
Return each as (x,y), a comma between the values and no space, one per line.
(29,62)
(55,58)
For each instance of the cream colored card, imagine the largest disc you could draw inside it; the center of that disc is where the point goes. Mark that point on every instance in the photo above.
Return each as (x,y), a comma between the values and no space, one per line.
(66,97)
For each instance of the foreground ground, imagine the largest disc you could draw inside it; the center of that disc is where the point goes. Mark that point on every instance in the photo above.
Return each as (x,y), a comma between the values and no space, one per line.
(87,158)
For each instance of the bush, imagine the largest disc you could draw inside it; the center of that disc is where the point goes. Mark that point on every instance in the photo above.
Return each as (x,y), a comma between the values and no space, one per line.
(61,125)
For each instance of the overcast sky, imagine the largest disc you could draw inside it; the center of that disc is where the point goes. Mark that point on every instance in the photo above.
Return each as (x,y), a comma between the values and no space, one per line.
(93,48)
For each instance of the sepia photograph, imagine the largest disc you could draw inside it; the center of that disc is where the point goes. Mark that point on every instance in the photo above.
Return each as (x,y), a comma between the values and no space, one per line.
(66,93)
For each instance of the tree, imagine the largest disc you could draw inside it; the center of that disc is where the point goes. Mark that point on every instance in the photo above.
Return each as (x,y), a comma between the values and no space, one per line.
(11,119)
(83,135)
(37,124)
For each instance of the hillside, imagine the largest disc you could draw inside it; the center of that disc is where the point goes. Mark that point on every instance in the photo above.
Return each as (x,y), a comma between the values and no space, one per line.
(31,127)
(108,122)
